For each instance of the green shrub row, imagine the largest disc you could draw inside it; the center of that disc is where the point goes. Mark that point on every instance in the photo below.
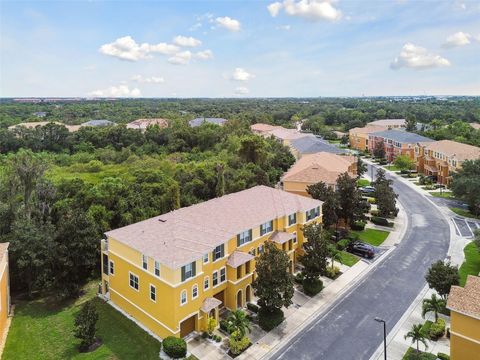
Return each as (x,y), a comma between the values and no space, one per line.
(269,320)
(381,221)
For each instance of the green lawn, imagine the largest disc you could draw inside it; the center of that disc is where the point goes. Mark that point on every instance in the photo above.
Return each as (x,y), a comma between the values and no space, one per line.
(471,265)
(363,182)
(348,259)
(412,354)
(42,329)
(392,168)
(464,213)
(372,236)
(443,194)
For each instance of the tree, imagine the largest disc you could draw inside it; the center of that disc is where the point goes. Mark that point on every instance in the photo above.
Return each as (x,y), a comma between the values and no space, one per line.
(320,191)
(349,198)
(274,283)
(417,335)
(330,207)
(344,140)
(85,325)
(238,322)
(386,197)
(361,167)
(220,186)
(441,276)
(476,239)
(466,186)
(434,305)
(379,150)
(314,258)
(211,325)
(335,255)
(404,162)
(411,122)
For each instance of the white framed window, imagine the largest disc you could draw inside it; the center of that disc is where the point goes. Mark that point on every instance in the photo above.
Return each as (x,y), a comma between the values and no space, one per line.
(295,239)
(205,258)
(111,268)
(157,268)
(206,283)
(183,297)
(188,271)
(292,219)
(267,227)
(215,278)
(218,252)
(145,262)
(134,281)
(153,293)
(223,275)
(244,237)
(194,291)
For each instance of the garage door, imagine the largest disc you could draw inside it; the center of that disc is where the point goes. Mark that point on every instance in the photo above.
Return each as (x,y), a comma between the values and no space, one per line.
(187,326)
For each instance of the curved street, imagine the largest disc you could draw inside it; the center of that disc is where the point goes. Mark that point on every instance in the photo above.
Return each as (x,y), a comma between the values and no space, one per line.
(346,330)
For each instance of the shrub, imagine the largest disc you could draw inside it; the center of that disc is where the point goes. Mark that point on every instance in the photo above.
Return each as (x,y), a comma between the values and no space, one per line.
(217,338)
(343,244)
(94,166)
(85,325)
(443,356)
(252,307)
(268,320)
(358,225)
(412,354)
(238,345)
(383,162)
(312,287)
(175,347)
(298,278)
(437,330)
(372,200)
(374,213)
(211,325)
(204,335)
(332,273)
(380,221)
(224,326)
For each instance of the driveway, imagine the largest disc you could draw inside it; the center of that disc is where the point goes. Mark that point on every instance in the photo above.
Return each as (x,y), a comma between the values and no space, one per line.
(347,330)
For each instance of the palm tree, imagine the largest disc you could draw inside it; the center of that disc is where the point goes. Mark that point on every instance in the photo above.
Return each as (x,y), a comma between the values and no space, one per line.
(434,304)
(417,336)
(335,256)
(238,321)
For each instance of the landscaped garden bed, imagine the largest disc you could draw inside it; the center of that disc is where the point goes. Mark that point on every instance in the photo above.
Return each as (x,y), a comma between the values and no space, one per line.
(413,354)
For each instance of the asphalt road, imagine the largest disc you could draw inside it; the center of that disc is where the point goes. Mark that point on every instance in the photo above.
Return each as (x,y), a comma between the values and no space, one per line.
(347,329)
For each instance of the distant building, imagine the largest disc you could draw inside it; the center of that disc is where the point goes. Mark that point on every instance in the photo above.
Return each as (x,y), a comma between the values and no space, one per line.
(313,168)
(40,114)
(390,123)
(340,134)
(464,306)
(142,124)
(4,289)
(33,125)
(199,121)
(262,129)
(396,142)
(476,126)
(98,123)
(358,137)
(311,145)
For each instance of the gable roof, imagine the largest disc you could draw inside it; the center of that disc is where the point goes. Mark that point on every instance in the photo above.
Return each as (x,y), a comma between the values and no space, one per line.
(459,151)
(311,144)
(367,129)
(260,127)
(388,122)
(199,121)
(144,123)
(466,300)
(402,136)
(288,134)
(185,235)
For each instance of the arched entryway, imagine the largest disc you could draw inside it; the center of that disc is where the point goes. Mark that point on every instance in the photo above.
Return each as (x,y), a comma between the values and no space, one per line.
(239,299)
(248,294)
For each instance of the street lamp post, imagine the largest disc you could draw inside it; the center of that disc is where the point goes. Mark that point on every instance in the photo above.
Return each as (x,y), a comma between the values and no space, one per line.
(377,319)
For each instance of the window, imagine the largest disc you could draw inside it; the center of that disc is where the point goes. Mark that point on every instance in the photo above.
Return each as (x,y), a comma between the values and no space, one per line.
(244,237)
(134,281)
(157,268)
(218,253)
(153,293)
(188,271)
(223,275)
(215,278)
(310,214)
(183,297)
(317,211)
(112,268)
(295,238)
(239,272)
(195,291)
(205,258)
(105,264)
(266,227)
(292,219)
(247,267)
(206,283)
(145,262)
(260,249)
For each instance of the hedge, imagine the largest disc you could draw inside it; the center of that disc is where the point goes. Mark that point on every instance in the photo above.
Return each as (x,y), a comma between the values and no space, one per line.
(312,287)
(253,307)
(443,356)
(175,347)
(269,320)
(381,221)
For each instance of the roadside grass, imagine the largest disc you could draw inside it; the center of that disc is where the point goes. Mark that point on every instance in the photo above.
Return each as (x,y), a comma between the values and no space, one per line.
(392,168)
(348,259)
(372,236)
(471,265)
(363,182)
(464,213)
(443,195)
(43,329)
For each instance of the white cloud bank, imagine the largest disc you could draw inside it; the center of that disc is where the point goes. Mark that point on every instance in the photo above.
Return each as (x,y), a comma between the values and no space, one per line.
(116,91)
(186,41)
(314,10)
(148,80)
(126,48)
(204,55)
(458,39)
(240,74)
(181,58)
(241,90)
(228,23)
(417,57)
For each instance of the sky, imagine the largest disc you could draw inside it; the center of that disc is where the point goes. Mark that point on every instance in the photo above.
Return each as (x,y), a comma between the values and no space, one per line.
(284,48)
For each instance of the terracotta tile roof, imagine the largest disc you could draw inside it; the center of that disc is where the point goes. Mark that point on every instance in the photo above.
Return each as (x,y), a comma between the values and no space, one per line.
(239,258)
(209,304)
(260,127)
(466,300)
(184,235)
(323,166)
(281,237)
(459,151)
(3,249)
(367,129)
(388,122)
(144,123)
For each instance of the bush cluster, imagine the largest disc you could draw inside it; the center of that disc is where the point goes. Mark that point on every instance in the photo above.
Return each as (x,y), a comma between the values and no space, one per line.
(332,273)
(268,320)
(380,221)
(298,278)
(175,347)
(443,356)
(437,330)
(312,287)
(238,345)
(253,307)
(358,225)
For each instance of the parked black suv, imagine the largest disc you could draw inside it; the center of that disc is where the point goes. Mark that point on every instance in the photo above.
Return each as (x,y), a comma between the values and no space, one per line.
(362,249)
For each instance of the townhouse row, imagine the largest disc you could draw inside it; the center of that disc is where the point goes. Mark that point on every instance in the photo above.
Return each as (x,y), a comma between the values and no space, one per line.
(172,272)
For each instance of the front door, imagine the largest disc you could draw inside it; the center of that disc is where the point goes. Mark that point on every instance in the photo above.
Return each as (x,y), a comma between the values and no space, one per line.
(220,296)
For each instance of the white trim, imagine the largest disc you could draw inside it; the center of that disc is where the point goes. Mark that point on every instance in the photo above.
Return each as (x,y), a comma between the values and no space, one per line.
(138,281)
(143,311)
(194,286)
(464,337)
(187,317)
(184,291)
(150,292)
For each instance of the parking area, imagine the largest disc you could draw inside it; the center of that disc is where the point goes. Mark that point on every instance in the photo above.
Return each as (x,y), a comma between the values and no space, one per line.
(465,227)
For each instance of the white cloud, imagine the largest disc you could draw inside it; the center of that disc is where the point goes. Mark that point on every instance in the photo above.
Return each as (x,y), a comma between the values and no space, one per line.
(116,91)
(181,58)
(126,48)
(458,39)
(417,57)
(228,23)
(240,74)
(148,80)
(241,90)
(309,9)
(204,55)
(186,41)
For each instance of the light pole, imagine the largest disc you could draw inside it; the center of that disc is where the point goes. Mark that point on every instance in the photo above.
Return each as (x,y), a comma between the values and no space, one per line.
(377,319)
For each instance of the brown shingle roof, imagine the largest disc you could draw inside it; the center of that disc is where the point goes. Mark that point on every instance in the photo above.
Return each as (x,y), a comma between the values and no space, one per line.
(367,129)
(185,235)
(466,300)
(459,151)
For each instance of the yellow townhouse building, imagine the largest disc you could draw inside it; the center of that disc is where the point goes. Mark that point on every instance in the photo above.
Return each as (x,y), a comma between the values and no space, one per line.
(4,289)
(464,305)
(173,271)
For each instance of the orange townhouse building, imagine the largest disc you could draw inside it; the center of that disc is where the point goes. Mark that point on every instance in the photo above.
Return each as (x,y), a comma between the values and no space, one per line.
(443,158)
(396,142)
(358,137)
